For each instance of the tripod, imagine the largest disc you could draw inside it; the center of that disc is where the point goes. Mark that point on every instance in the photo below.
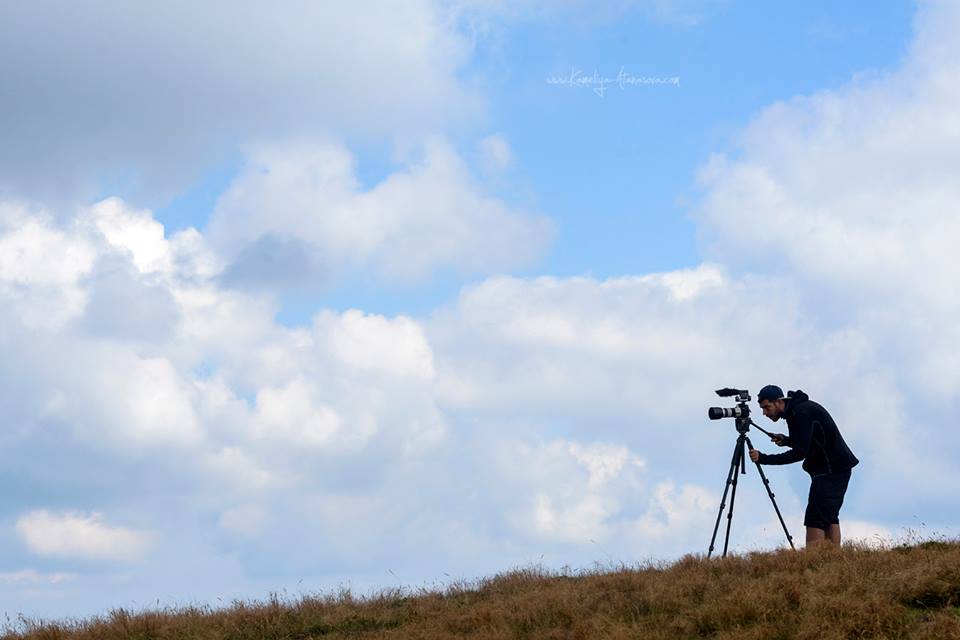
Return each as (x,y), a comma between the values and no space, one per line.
(739,463)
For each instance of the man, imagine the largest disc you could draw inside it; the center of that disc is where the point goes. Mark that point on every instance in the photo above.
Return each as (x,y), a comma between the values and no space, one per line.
(815,439)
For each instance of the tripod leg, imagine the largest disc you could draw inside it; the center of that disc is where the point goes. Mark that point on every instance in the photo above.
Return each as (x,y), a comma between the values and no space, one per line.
(731,474)
(766,483)
(738,461)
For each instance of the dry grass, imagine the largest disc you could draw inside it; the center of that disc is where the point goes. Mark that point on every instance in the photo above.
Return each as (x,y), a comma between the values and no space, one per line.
(910,591)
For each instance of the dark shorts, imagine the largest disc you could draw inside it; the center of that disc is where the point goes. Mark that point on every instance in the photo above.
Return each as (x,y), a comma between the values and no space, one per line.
(826,498)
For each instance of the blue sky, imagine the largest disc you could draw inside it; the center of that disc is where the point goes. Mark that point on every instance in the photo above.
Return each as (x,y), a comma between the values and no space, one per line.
(361,298)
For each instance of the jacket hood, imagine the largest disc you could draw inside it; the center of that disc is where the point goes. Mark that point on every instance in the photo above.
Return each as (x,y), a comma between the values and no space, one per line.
(797,395)
(794,397)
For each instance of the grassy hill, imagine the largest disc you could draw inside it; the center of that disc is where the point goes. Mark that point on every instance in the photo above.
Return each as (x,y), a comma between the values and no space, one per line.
(849,592)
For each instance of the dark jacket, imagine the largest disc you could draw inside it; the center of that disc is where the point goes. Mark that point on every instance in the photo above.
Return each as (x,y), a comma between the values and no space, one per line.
(813,438)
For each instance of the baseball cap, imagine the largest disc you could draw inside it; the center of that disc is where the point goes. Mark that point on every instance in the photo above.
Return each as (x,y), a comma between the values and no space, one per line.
(770,392)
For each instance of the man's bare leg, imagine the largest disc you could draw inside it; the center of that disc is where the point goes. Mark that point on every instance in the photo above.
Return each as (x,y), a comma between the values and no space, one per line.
(833,534)
(815,536)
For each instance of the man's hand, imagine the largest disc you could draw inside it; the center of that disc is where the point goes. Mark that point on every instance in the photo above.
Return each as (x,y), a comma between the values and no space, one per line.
(754,455)
(779,439)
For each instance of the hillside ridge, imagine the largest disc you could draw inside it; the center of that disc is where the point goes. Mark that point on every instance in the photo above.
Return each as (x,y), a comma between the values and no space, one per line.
(854,591)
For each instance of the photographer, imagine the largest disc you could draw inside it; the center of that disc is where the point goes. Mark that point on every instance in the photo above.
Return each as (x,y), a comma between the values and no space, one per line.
(815,439)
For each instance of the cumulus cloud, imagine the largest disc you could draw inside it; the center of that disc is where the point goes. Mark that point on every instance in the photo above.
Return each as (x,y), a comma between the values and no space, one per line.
(80,536)
(569,491)
(345,422)
(291,413)
(49,269)
(220,407)
(303,201)
(375,344)
(579,344)
(134,232)
(39,290)
(677,509)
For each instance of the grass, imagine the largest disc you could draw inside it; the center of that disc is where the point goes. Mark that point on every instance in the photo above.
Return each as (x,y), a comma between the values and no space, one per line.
(855,591)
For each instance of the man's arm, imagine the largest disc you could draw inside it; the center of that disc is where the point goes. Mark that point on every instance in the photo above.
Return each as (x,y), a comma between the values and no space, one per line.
(799,442)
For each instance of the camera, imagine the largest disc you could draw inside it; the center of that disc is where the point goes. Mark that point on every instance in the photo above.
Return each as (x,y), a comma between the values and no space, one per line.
(740,396)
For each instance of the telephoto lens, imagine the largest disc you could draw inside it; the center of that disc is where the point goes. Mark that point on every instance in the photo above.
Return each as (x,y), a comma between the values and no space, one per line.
(716,413)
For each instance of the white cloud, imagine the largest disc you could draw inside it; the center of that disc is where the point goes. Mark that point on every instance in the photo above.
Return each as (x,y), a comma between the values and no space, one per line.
(29,241)
(41,266)
(107,396)
(604,461)
(298,210)
(677,511)
(376,344)
(159,103)
(138,237)
(141,314)
(291,413)
(620,345)
(151,400)
(135,232)
(568,491)
(580,520)
(49,269)
(81,536)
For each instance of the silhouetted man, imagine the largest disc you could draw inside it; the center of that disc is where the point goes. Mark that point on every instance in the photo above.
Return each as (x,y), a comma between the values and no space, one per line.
(815,439)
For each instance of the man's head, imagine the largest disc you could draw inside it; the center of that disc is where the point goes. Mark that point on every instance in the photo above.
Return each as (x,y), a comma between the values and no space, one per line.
(772,402)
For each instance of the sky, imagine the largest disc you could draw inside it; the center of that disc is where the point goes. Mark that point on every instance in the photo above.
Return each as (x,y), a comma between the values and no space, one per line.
(313,296)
